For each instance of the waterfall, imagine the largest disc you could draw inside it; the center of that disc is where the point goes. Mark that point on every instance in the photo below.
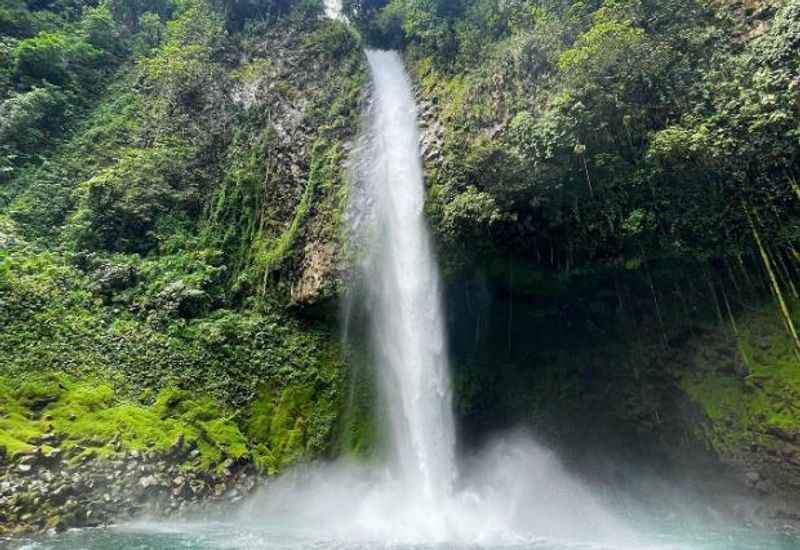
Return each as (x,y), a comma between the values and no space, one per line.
(514,490)
(406,322)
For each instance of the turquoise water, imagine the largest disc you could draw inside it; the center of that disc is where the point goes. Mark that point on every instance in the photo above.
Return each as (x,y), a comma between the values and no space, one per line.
(233,536)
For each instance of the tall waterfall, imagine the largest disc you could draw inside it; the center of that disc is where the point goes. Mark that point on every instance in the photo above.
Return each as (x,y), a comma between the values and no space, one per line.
(512,491)
(402,279)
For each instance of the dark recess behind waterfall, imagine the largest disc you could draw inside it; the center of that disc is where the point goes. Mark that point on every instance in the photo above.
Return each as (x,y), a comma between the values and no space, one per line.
(583,364)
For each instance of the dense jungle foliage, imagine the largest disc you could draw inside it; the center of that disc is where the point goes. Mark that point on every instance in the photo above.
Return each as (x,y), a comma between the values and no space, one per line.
(617,178)
(609,174)
(160,188)
(602,132)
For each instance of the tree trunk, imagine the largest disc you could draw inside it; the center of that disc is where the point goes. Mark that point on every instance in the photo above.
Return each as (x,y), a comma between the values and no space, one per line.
(794,185)
(776,289)
(734,327)
(657,306)
(787,275)
(732,275)
(716,300)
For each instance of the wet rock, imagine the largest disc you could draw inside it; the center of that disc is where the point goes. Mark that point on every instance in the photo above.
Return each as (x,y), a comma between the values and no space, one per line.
(49,439)
(751,478)
(432,155)
(790,453)
(55,524)
(176,450)
(30,459)
(782,434)
(53,454)
(88,456)
(248,483)
(40,403)
(57,488)
(148,481)
(180,299)
(197,487)
(60,494)
(91,442)
(111,278)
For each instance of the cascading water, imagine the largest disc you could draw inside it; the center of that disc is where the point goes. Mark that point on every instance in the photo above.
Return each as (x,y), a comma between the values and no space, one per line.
(402,279)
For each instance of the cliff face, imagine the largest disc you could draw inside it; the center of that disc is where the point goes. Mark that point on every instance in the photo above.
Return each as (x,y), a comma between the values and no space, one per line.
(158,251)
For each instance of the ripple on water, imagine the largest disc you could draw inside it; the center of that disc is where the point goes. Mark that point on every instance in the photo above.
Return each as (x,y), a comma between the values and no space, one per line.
(231,536)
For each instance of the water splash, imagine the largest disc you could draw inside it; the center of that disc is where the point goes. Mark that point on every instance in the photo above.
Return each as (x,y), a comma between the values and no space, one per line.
(514,494)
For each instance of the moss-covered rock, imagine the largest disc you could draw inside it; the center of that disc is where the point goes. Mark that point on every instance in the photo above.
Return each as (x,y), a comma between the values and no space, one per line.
(748,385)
(90,417)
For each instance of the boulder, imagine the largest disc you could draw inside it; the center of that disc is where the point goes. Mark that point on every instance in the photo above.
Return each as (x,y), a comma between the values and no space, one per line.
(751,478)
(148,481)
(177,449)
(782,434)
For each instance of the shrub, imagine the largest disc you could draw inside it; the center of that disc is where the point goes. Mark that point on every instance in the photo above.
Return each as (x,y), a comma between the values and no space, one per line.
(14,19)
(334,39)
(100,28)
(152,33)
(27,119)
(53,56)
(120,206)
(129,11)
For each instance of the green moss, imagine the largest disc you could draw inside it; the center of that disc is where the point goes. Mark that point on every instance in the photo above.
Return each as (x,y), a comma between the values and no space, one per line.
(90,414)
(252,71)
(15,428)
(357,432)
(295,419)
(225,436)
(278,419)
(766,400)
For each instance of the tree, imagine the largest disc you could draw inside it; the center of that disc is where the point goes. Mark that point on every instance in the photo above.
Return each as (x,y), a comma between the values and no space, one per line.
(53,57)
